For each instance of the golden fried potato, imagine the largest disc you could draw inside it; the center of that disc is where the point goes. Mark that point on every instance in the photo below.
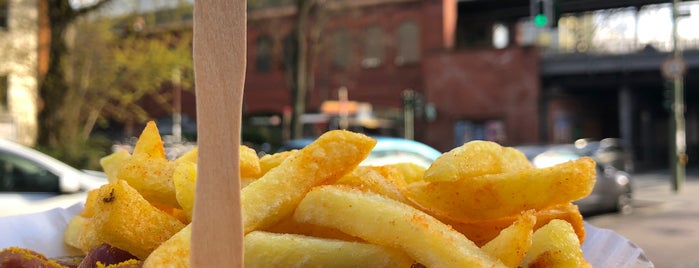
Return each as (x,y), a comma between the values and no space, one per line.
(112,163)
(555,245)
(475,159)
(150,142)
(90,204)
(384,221)
(185,180)
(190,156)
(249,163)
(270,161)
(290,226)
(411,172)
(275,195)
(514,241)
(172,253)
(124,219)
(264,249)
(74,229)
(369,178)
(500,195)
(481,232)
(152,177)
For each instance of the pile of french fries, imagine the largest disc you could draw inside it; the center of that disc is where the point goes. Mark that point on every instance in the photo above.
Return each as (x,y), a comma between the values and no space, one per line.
(479,205)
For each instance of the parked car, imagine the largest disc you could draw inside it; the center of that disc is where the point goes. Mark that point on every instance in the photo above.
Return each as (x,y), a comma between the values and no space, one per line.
(31,181)
(612,191)
(388,150)
(608,151)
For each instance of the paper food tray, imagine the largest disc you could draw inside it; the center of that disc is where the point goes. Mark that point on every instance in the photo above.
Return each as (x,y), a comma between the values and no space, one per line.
(43,232)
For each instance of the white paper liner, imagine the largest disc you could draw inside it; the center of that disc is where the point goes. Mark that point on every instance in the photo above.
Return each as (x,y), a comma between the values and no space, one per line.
(43,232)
(606,248)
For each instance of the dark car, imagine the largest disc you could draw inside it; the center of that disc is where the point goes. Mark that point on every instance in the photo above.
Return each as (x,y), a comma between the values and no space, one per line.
(613,189)
(388,150)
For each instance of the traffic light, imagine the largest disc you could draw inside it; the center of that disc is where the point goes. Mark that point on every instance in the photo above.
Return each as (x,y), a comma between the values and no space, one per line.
(540,19)
(543,13)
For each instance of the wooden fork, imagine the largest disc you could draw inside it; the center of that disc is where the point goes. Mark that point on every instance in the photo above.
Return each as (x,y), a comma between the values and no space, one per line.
(219,69)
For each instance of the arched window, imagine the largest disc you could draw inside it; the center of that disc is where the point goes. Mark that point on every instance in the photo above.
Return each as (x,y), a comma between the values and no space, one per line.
(263,54)
(408,43)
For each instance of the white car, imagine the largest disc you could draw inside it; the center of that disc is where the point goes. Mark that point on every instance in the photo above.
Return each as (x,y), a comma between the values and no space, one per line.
(31,181)
(388,150)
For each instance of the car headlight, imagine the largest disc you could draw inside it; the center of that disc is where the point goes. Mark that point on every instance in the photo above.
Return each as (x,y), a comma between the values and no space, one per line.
(621,179)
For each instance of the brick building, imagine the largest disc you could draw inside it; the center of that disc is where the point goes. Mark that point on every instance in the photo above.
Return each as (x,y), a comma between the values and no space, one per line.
(378,49)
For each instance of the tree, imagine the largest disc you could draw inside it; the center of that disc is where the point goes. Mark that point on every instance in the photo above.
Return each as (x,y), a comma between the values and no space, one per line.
(56,127)
(112,65)
(302,46)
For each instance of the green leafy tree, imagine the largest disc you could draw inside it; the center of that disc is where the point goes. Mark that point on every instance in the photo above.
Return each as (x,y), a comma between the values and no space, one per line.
(112,66)
(55,134)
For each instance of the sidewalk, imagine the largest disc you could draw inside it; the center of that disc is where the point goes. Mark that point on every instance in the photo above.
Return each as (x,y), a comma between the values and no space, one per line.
(664,224)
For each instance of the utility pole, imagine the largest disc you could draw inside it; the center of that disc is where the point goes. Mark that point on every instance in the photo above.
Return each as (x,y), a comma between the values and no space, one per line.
(408,97)
(674,67)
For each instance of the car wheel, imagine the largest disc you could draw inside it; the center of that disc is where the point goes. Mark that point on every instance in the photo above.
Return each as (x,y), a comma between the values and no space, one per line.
(624,204)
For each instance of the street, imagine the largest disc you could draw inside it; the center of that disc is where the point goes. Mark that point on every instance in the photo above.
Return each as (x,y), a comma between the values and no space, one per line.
(664,224)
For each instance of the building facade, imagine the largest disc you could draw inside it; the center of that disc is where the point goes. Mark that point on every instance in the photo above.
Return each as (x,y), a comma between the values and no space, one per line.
(22,60)
(380,50)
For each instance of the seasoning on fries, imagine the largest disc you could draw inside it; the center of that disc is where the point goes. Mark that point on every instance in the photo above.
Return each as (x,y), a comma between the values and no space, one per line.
(479,205)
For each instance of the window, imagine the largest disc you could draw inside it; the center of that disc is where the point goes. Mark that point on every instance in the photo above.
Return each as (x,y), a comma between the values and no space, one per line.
(4,13)
(373,47)
(263,54)
(408,43)
(21,175)
(468,130)
(341,49)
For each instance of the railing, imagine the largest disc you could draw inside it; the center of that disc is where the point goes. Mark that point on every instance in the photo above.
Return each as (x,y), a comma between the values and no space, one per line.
(622,46)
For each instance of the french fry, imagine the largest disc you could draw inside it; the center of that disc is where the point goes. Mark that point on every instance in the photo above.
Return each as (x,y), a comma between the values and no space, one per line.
(262,248)
(90,204)
(555,245)
(411,172)
(270,161)
(190,156)
(152,177)
(249,163)
(384,221)
(475,159)
(112,163)
(514,241)
(479,205)
(74,229)
(124,219)
(369,178)
(149,142)
(481,232)
(172,253)
(184,178)
(290,226)
(500,195)
(275,195)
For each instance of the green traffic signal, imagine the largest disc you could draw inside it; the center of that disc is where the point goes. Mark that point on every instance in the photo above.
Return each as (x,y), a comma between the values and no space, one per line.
(540,20)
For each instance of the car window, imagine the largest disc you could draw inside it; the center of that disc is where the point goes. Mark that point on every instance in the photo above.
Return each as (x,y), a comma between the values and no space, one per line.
(18,174)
